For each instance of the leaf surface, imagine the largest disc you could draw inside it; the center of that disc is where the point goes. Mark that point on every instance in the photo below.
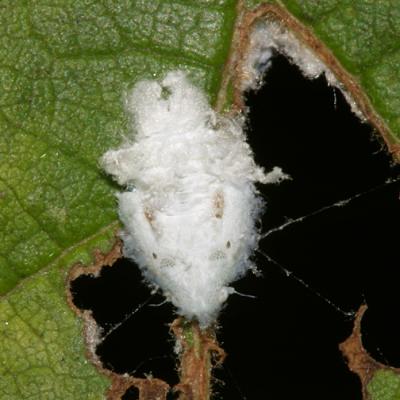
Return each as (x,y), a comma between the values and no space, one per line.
(63,71)
(64,68)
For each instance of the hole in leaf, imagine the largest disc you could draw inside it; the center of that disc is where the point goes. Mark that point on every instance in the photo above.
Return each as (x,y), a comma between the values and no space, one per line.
(173,395)
(284,344)
(131,394)
(136,338)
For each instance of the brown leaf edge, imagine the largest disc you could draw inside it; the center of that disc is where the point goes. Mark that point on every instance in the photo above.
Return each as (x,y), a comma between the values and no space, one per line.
(234,69)
(149,388)
(196,361)
(358,359)
(199,351)
(199,354)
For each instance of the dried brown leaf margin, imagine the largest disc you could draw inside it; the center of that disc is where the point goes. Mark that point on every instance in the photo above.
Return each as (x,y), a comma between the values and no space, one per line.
(358,359)
(198,356)
(197,361)
(150,388)
(234,69)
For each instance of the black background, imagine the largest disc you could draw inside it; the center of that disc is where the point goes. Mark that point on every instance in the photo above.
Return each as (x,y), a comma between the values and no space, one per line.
(284,343)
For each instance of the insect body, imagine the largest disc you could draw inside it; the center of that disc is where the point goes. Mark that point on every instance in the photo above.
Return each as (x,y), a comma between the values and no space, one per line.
(190,214)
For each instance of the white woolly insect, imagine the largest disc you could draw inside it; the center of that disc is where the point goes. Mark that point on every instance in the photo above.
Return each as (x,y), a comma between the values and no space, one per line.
(191,205)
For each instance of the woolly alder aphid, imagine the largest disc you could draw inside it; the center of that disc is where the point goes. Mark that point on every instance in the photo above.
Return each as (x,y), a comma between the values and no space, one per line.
(190,206)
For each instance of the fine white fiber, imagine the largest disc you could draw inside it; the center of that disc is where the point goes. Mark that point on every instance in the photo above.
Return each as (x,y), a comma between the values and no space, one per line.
(190,206)
(269,36)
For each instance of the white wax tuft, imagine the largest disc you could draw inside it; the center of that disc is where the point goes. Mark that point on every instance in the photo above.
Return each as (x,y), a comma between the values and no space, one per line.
(190,208)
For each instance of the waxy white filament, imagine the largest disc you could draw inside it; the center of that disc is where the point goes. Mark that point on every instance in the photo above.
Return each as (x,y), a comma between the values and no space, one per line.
(190,208)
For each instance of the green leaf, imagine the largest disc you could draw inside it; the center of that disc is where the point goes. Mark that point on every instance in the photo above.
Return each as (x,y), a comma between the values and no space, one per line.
(41,346)
(385,385)
(64,68)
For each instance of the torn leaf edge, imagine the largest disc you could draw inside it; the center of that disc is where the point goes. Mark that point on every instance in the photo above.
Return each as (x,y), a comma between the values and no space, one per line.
(236,73)
(359,360)
(149,388)
(233,78)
